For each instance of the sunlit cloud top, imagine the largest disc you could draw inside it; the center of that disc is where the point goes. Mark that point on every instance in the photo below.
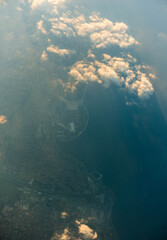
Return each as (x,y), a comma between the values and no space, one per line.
(98,34)
(101,31)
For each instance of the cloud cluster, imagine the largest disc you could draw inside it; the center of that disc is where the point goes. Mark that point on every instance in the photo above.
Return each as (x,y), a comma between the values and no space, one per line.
(121,71)
(101,31)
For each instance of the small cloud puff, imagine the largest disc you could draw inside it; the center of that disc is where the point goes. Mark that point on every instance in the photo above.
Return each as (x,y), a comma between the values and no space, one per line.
(57,50)
(40,27)
(36,3)
(44,56)
(3,119)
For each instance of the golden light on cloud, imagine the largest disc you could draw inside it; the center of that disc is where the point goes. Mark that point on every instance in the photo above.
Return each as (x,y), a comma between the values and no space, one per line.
(3,119)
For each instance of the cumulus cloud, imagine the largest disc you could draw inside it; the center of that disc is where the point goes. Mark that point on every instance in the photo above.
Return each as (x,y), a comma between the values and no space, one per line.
(117,70)
(101,31)
(134,79)
(57,50)
(107,74)
(142,86)
(84,72)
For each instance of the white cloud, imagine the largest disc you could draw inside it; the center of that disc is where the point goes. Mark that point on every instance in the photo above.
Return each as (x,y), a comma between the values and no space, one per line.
(55,4)
(84,72)
(40,27)
(87,232)
(101,31)
(57,50)
(44,56)
(142,86)
(107,74)
(64,25)
(3,119)
(114,70)
(96,71)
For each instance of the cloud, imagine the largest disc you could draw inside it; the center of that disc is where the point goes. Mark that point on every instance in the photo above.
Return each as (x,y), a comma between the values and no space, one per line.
(55,4)
(142,86)
(153,76)
(123,72)
(85,71)
(90,54)
(63,26)
(64,215)
(57,50)
(87,232)
(107,74)
(44,56)
(135,80)
(3,119)
(101,31)
(36,3)
(40,27)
